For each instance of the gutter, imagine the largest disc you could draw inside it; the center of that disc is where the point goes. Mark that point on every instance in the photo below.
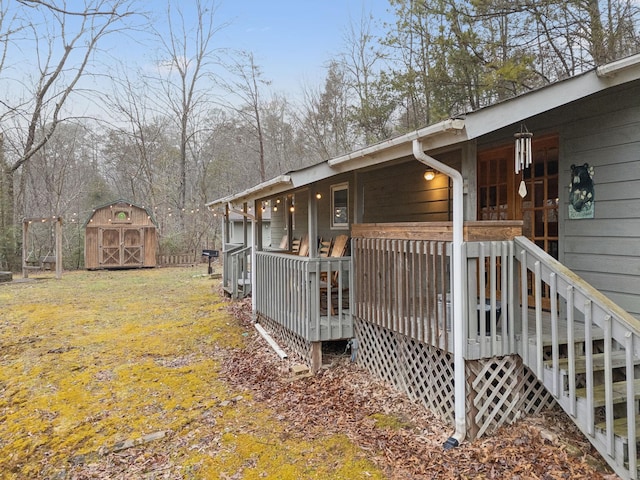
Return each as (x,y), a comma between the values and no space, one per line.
(613,68)
(278,181)
(457,292)
(441,127)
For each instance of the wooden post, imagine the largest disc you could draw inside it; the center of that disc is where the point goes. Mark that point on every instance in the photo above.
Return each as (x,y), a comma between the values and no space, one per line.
(59,248)
(316,356)
(25,231)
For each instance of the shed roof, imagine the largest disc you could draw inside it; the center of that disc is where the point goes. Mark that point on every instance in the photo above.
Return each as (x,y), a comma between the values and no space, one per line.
(452,131)
(116,202)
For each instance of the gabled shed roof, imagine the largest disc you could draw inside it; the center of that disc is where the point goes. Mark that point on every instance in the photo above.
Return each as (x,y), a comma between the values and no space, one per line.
(452,131)
(120,201)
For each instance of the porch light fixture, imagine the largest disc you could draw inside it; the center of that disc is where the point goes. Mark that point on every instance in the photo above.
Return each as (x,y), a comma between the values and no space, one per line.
(318,195)
(292,209)
(429,174)
(523,148)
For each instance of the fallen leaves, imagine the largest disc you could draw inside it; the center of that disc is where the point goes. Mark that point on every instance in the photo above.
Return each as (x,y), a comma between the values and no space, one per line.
(403,438)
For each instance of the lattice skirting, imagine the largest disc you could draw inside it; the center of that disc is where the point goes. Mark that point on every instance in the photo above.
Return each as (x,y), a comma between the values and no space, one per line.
(499,390)
(423,372)
(294,344)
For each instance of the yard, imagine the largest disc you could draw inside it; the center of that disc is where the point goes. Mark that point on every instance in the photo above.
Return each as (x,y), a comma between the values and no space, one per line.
(151,374)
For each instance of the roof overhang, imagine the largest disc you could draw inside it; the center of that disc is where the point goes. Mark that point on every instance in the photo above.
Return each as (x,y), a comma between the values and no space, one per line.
(274,186)
(544,99)
(451,131)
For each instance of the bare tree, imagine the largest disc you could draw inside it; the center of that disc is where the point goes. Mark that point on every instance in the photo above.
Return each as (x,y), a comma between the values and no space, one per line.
(245,85)
(62,44)
(189,62)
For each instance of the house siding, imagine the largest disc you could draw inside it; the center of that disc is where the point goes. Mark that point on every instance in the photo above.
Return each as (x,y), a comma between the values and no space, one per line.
(605,250)
(400,193)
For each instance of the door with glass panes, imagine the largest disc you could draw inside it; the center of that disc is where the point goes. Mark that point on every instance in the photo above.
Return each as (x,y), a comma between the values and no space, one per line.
(499,185)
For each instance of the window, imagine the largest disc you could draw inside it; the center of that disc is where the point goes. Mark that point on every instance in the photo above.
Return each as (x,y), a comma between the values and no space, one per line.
(340,205)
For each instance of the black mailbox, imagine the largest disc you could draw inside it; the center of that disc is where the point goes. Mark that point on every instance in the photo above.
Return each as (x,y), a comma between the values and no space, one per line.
(210,254)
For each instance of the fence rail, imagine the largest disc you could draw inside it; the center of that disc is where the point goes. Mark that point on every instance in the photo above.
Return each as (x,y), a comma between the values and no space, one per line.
(179,259)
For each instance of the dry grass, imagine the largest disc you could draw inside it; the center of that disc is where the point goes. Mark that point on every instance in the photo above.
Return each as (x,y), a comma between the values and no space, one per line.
(116,375)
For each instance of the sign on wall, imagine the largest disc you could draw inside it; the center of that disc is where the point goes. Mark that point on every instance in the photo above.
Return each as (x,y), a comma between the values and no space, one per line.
(581,192)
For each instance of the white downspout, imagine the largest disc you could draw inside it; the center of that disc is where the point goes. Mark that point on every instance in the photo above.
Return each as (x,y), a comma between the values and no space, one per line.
(457,293)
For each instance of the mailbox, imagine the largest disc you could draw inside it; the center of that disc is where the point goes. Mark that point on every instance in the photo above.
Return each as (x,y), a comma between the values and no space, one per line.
(210,254)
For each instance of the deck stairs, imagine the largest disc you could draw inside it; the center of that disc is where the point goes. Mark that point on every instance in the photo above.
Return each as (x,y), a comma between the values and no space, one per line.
(587,356)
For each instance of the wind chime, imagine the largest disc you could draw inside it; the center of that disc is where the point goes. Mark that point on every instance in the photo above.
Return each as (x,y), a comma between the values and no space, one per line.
(523,155)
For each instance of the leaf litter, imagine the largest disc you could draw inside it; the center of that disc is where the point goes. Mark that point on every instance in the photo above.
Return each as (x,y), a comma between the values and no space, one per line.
(152,374)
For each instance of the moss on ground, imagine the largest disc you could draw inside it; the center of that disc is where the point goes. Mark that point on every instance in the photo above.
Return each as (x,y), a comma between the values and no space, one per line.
(98,358)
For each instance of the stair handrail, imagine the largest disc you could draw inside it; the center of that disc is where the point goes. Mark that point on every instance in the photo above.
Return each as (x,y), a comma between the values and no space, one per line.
(616,324)
(629,321)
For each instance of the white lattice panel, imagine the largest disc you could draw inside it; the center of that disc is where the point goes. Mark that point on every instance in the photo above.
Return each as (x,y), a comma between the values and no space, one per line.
(499,390)
(423,372)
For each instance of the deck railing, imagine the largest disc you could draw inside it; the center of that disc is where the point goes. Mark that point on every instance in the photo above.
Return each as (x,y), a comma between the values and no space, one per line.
(404,282)
(311,297)
(587,352)
(404,285)
(236,278)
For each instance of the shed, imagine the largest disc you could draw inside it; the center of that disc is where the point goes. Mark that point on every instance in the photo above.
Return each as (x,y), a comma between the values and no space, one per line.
(120,234)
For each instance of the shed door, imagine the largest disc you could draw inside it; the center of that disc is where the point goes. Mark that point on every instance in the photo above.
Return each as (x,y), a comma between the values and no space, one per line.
(132,247)
(109,253)
(121,247)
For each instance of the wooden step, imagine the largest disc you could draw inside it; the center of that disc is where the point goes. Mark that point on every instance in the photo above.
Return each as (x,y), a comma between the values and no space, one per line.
(619,393)
(618,360)
(620,427)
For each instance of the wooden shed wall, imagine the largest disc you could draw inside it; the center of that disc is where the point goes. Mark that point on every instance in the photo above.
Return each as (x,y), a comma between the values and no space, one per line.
(106,218)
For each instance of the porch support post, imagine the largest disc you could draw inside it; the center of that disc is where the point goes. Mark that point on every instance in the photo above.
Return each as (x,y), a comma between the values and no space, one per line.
(316,356)
(225,227)
(459,334)
(313,224)
(245,224)
(254,226)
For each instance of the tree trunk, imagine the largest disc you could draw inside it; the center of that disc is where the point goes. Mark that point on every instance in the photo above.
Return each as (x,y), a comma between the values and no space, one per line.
(8,239)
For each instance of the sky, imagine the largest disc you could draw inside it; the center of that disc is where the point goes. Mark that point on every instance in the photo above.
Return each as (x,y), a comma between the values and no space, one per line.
(292,40)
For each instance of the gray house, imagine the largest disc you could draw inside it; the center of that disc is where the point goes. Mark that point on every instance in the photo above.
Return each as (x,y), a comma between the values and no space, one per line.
(493,266)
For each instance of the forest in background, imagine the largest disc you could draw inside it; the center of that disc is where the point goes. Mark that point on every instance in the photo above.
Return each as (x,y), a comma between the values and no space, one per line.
(206,122)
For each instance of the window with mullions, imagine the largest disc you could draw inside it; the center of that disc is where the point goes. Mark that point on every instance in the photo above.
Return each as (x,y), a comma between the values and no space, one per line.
(340,206)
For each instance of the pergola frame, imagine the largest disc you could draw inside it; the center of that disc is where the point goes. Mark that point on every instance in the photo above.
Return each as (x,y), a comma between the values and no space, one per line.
(25,231)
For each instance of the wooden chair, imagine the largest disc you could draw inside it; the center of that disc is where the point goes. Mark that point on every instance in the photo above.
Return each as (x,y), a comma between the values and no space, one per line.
(303,251)
(295,246)
(284,243)
(327,288)
(340,245)
(325,247)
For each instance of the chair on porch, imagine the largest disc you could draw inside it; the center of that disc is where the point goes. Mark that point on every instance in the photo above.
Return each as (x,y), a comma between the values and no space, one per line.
(338,249)
(324,247)
(295,246)
(303,251)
